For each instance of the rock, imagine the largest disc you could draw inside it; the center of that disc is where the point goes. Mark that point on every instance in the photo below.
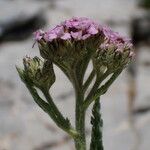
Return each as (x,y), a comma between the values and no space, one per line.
(141,29)
(18,20)
(144,4)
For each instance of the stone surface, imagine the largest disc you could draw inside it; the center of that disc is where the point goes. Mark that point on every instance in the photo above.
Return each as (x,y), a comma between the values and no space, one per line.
(24,126)
(16,23)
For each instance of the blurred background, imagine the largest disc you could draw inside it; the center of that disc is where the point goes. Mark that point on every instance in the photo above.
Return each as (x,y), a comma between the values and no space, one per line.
(125,107)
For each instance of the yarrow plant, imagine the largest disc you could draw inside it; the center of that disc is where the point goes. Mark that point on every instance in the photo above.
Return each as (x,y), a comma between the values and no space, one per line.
(71,46)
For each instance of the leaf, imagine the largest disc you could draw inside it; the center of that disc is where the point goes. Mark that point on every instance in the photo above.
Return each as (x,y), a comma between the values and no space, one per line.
(97,123)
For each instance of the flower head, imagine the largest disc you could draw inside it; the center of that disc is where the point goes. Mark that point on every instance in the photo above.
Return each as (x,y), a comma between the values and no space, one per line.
(115,39)
(70,41)
(75,29)
(77,39)
(115,52)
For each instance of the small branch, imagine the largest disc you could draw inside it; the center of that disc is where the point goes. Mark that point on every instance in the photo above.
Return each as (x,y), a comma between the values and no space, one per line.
(84,66)
(101,90)
(89,80)
(105,87)
(41,103)
(64,125)
(96,85)
(60,119)
(64,69)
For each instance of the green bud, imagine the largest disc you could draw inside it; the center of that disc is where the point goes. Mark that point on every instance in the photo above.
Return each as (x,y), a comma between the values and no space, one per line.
(37,73)
(111,58)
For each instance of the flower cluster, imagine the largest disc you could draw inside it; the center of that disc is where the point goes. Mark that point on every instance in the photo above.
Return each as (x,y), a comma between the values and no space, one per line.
(75,29)
(70,41)
(115,39)
(115,52)
(75,39)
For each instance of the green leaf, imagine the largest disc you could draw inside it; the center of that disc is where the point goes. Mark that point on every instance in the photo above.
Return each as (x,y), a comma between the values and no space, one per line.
(21,73)
(97,124)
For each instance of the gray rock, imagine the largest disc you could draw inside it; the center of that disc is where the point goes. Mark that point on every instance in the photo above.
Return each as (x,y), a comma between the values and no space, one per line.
(19,19)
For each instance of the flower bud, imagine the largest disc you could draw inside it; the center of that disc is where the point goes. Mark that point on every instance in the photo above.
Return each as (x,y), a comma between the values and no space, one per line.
(37,72)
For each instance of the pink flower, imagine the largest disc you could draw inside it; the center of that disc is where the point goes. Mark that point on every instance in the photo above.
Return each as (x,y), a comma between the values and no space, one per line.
(75,29)
(77,38)
(50,36)
(92,30)
(116,40)
(38,35)
(85,36)
(59,31)
(66,36)
(77,35)
(80,29)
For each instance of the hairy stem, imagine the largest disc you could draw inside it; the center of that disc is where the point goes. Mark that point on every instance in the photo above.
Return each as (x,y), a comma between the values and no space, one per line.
(80,141)
(89,80)
(63,121)
(97,93)
(47,108)
(97,83)
(84,66)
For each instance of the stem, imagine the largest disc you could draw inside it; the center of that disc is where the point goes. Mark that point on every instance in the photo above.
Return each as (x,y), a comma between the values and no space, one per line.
(80,141)
(101,90)
(83,66)
(98,81)
(64,69)
(62,121)
(64,125)
(89,80)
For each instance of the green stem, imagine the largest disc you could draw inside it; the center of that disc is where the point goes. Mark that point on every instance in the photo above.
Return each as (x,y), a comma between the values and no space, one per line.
(89,80)
(84,66)
(101,90)
(65,125)
(64,69)
(80,141)
(60,119)
(97,83)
